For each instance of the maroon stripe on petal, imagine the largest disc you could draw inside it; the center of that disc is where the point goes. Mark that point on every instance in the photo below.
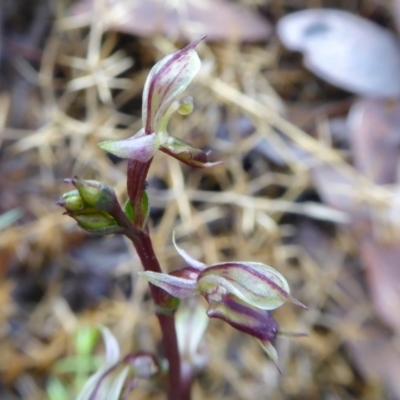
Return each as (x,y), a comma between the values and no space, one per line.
(176,57)
(250,271)
(250,320)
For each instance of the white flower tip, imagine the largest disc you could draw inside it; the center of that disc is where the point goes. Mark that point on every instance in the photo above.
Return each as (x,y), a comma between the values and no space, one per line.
(111,345)
(271,353)
(189,259)
(298,303)
(193,44)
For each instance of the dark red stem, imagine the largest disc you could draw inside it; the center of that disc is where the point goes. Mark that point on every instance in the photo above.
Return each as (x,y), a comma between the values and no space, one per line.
(137,175)
(170,345)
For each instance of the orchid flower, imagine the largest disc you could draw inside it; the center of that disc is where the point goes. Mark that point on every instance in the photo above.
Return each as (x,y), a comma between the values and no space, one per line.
(165,83)
(239,293)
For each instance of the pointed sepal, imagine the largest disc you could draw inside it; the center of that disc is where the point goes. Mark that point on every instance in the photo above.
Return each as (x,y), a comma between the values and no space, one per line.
(174,285)
(195,264)
(139,147)
(271,353)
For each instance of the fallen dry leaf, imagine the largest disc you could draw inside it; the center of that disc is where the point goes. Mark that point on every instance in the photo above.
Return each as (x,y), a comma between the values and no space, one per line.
(383,274)
(377,359)
(220,20)
(375,139)
(346,50)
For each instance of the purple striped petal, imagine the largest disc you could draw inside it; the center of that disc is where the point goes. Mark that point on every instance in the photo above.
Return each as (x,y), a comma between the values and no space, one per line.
(166,81)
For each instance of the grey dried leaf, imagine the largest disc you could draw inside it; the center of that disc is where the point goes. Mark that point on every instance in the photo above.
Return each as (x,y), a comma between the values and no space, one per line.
(346,50)
(374,127)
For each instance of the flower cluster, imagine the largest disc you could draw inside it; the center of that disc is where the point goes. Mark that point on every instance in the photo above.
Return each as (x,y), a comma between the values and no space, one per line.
(90,204)
(165,83)
(239,293)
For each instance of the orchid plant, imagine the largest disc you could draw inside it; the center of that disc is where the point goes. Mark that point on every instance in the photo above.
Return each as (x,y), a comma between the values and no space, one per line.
(243,294)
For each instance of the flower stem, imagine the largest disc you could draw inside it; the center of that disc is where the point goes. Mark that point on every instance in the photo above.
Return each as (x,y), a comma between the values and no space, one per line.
(136,185)
(170,345)
(165,303)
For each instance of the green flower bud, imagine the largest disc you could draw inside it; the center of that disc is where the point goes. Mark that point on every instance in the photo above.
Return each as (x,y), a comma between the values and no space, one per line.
(95,194)
(71,201)
(96,221)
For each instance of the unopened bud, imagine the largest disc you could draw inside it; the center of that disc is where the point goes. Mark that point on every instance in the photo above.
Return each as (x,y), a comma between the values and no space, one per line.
(96,221)
(71,201)
(185,105)
(95,194)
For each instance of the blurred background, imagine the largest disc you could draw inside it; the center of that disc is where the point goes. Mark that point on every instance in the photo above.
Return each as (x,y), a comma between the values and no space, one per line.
(304,111)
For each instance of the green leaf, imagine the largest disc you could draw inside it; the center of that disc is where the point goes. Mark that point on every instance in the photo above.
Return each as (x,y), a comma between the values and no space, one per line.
(145,209)
(57,391)
(85,340)
(74,364)
(129,211)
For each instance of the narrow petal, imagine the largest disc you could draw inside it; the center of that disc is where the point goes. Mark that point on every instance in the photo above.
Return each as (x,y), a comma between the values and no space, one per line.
(257,284)
(92,383)
(175,286)
(189,259)
(284,332)
(111,345)
(191,323)
(116,385)
(271,353)
(166,81)
(139,147)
